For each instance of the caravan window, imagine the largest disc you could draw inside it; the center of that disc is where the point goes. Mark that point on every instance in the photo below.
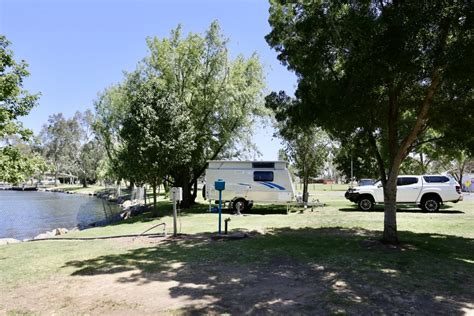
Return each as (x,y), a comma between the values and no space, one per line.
(263,176)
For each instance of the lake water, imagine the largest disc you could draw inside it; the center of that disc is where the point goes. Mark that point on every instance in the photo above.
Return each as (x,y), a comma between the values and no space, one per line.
(25,214)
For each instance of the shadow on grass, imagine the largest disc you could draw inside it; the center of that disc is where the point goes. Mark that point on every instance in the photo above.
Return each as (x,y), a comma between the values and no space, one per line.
(165,208)
(260,209)
(307,271)
(268,209)
(444,210)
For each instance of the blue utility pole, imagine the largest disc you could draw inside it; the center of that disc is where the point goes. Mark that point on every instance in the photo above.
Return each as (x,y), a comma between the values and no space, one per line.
(219,185)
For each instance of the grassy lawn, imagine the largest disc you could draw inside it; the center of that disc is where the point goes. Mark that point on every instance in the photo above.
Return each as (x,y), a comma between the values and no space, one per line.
(323,261)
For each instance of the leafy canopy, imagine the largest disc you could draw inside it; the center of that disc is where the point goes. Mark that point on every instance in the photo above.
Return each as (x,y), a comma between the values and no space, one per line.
(307,148)
(190,87)
(14,103)
(222,96)
(370,65)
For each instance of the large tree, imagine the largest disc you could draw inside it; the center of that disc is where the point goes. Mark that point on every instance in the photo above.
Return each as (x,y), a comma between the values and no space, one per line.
(61,140)
(222,97)
(111,108)
(388,69)
(91,151)
(14,103)
(157,134)
(71,145)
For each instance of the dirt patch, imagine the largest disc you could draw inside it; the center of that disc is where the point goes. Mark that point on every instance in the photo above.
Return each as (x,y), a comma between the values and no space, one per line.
(98,294)
(282,287)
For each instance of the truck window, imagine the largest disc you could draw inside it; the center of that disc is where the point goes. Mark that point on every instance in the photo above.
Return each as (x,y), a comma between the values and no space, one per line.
(436,179)
(263,176)
(406,181)
(263,165)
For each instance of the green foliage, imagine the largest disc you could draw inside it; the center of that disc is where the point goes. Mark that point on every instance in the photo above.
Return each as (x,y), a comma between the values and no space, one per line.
(354,59)
(387,70)
(213,99)
(14,103)
(71,147)
(61,140)
(16,167)
(221,95)
(157,135)
(307,148)
(364,164)
(111,108)
(87,160)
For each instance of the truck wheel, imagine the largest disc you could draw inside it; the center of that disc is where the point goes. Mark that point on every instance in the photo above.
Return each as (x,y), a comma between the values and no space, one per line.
(366,203)
(239,205)
(430,204)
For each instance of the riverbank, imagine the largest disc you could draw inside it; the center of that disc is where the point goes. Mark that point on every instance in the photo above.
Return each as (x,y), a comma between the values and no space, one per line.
(48,234)
(90,190)
(322,262)
(123,209)
(25,215)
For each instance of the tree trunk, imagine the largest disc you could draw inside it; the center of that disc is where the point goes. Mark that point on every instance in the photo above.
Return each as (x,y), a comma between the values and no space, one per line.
(195,190)
(305,189)
(84,183)
(188,198)
(144,193)
(423,169)
(390,235)
(56,177)
(166,186)
(155,211)
(461,170)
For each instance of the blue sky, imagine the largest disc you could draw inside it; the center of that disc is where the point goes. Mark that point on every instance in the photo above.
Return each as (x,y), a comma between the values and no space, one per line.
(77,48)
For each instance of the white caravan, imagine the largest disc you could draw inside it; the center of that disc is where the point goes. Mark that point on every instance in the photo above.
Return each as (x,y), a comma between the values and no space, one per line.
(247,182)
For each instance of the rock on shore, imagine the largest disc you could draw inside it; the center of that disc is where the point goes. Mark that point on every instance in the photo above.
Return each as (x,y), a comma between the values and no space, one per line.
(52,233)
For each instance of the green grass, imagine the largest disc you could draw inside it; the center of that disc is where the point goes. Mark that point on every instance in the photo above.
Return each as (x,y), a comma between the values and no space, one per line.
(90,189)
(436,257)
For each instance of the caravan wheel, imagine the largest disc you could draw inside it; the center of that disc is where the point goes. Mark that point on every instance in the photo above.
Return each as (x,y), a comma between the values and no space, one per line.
(239,205)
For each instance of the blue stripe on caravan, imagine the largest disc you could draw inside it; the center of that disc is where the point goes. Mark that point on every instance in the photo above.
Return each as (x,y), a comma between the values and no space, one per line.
(267,185)
(279,187)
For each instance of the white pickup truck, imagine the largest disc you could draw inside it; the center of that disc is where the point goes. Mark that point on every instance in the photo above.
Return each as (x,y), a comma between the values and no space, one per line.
(428,192)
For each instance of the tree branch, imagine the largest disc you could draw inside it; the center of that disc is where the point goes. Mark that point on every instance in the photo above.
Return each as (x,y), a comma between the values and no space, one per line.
(378,157)
(215,154)
(415,145)
(392,118)
(422,117)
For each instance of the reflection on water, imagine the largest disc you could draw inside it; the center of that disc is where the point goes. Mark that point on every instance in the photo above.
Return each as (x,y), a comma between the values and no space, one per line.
(27,214)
